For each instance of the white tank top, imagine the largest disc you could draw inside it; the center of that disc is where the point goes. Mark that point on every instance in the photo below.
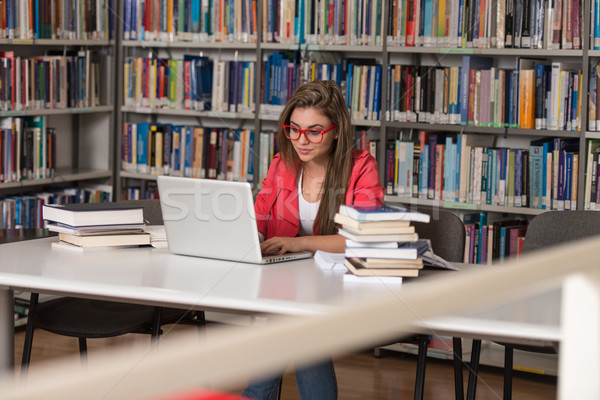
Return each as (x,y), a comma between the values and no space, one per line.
(307,212)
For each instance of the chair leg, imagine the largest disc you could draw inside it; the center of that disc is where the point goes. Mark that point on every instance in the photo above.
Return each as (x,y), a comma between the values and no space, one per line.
(33,300)
(83,349)
(458,370)
(201,317)
(421,363)
(508,367)
(156,323)
(473,370)
(280,384)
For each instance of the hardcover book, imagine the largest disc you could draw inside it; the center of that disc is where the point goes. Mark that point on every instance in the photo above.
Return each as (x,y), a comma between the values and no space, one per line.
(86,214)
(405,251)
(382,213)
(103,240)
(371,227)
(363,238)
(354,266)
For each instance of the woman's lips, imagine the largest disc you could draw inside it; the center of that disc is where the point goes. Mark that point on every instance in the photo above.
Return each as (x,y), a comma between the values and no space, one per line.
(304,151)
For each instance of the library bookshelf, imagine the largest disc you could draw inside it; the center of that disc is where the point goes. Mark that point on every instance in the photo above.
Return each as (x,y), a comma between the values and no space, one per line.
(326,47)
(370,38)
(56,112)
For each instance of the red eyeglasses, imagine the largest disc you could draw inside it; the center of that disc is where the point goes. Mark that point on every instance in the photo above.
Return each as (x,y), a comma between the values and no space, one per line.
(312,135)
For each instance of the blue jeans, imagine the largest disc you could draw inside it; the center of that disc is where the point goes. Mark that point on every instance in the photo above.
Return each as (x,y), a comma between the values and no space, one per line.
(315,382)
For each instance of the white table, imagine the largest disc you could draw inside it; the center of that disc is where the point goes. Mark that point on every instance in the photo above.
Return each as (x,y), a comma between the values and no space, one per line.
(154,276)
(149,276)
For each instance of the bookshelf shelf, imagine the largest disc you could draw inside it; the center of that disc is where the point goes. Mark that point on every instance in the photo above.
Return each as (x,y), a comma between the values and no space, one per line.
(61,176)
(56,42)
(449,205)
(187,113)
(482,129)
(486,52)
(319,47)
(365,122)
(592,135)
(188,45)
(57,111)
(136,175)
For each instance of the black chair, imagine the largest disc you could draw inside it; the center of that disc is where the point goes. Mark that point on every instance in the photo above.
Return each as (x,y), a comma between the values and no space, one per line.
(545,230)
(84,318)
(447,235)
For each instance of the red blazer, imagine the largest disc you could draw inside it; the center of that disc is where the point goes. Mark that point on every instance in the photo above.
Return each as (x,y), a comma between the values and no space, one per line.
(276,204)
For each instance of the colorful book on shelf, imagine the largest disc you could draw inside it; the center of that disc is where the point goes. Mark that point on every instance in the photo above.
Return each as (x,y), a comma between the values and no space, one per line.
(104,239)
(405,251)
(469,63)
(382,213)
(86,214)
(355,266)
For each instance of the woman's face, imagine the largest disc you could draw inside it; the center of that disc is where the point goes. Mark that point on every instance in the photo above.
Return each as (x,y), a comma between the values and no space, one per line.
(312,118)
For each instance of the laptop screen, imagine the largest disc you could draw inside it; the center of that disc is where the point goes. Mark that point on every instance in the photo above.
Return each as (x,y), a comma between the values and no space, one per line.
(209,218)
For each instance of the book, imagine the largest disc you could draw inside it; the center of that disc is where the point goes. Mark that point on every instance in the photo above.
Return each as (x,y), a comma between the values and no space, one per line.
(391,263)
(104,240)
(64,246)
(374,227)
(379,245)
(408,237)
(382,213)
(354,266)
(94,229)
(86,214)
(405,251)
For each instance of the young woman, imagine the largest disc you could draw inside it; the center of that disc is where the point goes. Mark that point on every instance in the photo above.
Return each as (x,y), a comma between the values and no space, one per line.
(315,171)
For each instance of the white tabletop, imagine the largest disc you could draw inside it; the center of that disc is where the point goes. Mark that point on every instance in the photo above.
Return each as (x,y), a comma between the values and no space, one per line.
(154,276)
(533,320)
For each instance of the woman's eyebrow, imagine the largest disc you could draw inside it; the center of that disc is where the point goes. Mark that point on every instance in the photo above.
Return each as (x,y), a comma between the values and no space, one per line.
(310,127)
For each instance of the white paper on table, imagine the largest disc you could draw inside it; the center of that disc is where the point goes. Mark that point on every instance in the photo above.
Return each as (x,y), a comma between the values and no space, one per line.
(158,236)
(330,261)
(391,280)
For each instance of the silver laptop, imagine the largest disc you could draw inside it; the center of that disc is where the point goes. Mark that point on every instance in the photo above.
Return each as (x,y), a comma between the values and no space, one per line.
(213,219)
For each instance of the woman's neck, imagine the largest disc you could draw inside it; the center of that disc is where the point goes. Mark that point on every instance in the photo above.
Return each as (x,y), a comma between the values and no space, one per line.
(313,170)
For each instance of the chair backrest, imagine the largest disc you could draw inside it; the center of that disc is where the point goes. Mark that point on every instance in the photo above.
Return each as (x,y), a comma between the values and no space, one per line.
(446,232)
(558,227)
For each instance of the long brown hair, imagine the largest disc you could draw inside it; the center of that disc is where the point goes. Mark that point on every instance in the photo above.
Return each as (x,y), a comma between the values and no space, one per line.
(327,97)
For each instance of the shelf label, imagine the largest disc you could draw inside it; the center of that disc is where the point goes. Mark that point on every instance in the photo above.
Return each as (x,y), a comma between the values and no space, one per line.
(22,41)
(13,113)
(461,206)
(446,50)
(154,44)
(221,114)
(82,110)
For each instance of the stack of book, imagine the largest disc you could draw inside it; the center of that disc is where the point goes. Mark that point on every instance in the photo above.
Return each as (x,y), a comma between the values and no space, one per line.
(95,225)
(380,241)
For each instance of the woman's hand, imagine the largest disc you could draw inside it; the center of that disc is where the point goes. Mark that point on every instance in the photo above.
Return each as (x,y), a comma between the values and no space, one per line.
(281,245)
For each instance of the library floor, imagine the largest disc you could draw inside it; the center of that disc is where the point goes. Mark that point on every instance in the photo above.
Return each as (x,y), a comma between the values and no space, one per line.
(360,375)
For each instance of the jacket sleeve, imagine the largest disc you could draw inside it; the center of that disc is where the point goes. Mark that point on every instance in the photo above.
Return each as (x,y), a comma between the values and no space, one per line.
(365,186)
(266,196)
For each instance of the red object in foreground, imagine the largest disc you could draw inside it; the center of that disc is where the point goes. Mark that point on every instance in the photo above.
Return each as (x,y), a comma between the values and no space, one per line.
(202,395)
